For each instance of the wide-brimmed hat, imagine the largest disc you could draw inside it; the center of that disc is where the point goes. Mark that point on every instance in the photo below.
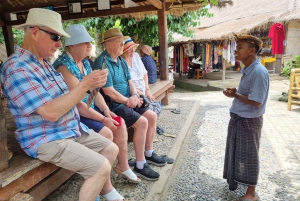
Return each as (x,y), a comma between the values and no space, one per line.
(78,35)
(44,17)
(250,39)
(146,49)
(128,44)
(111,34)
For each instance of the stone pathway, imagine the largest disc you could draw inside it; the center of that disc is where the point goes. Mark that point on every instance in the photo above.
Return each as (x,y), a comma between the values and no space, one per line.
(198,172)
(199,152)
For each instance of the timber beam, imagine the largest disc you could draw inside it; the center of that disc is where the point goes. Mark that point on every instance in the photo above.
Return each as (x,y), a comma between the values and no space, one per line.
(156,3)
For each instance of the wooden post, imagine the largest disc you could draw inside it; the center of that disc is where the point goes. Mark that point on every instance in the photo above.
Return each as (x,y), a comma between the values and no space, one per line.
(3,141)
(163,42)
(9,39)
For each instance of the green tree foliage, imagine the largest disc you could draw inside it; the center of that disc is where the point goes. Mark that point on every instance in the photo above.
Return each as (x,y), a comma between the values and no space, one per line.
(145,30)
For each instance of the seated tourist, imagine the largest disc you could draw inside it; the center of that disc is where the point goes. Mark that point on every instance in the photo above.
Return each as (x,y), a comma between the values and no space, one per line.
(127,104)
(45,112)
(74,67)
(138,73)
(149,63)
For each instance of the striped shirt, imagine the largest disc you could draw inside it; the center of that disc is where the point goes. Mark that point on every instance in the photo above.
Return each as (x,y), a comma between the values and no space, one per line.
(28,85)
(117,78)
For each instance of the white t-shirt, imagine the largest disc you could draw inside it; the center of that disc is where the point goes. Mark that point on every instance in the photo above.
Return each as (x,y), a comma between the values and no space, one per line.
(137,72)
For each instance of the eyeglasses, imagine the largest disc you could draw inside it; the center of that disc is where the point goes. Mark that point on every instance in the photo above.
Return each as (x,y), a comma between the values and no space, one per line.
(120,42)
(53,36)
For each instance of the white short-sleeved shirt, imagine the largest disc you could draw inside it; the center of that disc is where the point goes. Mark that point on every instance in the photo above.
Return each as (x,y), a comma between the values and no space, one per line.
(137,72)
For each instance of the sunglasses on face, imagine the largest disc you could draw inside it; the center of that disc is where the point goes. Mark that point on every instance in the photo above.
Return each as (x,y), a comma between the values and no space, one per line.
(53,36)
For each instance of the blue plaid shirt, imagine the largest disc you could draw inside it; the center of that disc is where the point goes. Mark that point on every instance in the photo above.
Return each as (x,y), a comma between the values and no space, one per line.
(28,85)
(150,66)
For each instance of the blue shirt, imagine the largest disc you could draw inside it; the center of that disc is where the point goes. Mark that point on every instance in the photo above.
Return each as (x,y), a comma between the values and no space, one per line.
(254,84)
(150,66)
(28,85)
(65,60)
(117,78)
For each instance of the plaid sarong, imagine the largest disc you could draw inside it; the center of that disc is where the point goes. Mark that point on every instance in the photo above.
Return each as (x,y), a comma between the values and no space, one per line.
(242,151)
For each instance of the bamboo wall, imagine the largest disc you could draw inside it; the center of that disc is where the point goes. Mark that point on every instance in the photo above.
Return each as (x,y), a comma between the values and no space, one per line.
(293,38)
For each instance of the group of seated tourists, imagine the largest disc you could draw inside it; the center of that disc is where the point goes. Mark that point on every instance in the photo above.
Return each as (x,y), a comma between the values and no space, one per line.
(62,117)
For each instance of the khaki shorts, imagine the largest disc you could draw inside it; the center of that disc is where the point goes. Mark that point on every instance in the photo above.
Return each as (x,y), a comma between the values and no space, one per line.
(80,155)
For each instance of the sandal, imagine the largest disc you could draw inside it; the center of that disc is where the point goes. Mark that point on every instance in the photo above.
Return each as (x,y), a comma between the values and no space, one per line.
(241,199)
(128,174)
(113,196)
(176,111)
(159,130)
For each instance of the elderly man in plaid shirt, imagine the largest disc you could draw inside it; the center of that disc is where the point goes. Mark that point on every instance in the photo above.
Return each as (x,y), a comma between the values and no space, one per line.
(44,109)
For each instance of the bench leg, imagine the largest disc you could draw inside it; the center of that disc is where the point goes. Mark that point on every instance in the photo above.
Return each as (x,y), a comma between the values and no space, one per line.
(166,99)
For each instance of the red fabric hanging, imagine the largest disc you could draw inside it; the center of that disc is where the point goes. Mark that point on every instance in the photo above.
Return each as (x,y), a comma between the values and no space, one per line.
(277,35)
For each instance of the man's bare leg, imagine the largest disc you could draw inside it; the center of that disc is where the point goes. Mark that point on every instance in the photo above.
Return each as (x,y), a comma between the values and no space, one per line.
(152,118)
(139,137)
(101,180)
(250,194)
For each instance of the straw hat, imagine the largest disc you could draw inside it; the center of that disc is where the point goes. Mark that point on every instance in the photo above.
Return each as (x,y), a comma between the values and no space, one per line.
(44,17)
(111,34)
(78,35)
(128,44)
(146,49)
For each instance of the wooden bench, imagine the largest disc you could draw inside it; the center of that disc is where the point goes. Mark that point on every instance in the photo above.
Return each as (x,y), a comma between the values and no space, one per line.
(25,178)
(161,92)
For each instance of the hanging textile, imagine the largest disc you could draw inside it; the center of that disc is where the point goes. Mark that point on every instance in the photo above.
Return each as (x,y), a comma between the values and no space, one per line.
(232,52)
(277,35)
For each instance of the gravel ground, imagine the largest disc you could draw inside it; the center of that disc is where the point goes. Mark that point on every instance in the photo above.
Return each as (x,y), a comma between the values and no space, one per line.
(170,122)
(199,168)
(197,174)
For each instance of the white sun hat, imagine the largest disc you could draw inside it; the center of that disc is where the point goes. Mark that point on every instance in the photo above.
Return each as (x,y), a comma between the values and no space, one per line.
(44,17)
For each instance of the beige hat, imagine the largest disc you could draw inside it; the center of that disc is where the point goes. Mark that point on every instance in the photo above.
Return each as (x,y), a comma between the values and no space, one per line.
(146,49)
(44,17)
(111,34)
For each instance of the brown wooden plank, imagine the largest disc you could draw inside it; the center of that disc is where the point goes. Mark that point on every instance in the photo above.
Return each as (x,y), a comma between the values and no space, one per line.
(3,141)
(163,42)
(46,186)
(19,165)
(155,3)
(27,181)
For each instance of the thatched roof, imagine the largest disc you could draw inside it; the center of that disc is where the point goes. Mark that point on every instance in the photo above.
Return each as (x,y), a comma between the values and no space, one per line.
(242,17)
(90,9)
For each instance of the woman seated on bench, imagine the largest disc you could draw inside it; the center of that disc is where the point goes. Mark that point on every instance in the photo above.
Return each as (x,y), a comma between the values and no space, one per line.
(73,66)
(138,73)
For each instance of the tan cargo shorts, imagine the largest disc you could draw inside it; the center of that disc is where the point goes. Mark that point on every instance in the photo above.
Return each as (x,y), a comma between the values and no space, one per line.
(78,155)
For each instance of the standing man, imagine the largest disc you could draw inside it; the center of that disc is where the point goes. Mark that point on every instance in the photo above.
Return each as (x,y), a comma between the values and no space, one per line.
(244,129)
(45,112)
(127,104)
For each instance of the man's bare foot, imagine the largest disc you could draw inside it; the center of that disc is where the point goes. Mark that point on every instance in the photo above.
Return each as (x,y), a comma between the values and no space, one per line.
(248,198)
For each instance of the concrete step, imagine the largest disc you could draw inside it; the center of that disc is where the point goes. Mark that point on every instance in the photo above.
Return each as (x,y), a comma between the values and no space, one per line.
(156,192)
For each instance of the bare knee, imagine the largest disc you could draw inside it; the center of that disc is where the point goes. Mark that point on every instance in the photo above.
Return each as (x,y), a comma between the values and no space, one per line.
(104,170)
(107,133)
(151,116)
(141,123)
